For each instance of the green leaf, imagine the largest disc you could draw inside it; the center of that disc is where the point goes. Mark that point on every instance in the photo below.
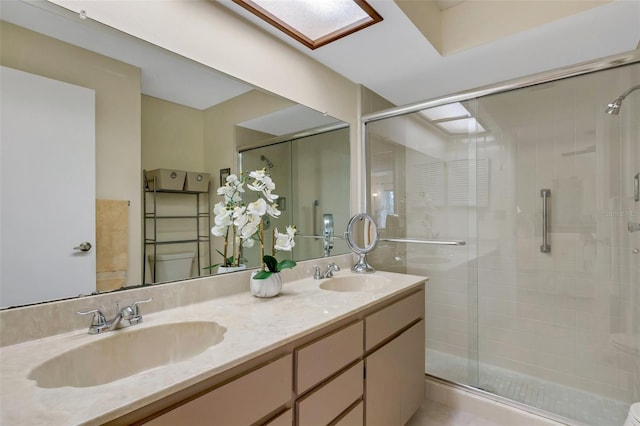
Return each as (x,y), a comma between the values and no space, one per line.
(212,266)
(262,275)
(286,264)
(271,263)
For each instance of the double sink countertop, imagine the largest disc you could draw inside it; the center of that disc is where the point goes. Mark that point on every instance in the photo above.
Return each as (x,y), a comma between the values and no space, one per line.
(254,326)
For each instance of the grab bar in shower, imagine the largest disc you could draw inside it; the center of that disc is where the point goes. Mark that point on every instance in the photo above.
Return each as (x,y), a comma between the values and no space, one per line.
(416,241)
(545,194)
(636,187)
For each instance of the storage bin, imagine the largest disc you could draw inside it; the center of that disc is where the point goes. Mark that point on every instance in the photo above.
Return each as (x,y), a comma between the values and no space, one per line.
(197,182)
(166,179)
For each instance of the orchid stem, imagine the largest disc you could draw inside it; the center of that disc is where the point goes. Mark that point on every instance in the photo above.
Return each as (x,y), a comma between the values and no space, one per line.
(262,245)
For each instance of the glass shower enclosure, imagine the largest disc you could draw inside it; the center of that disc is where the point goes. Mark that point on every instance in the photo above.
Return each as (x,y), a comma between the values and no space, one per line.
(542,303)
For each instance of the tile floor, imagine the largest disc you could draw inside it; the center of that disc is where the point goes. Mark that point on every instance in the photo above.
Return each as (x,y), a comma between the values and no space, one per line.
(584,407)
(433,413)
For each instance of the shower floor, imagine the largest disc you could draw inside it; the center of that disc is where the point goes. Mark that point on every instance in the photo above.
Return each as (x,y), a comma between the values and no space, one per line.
(585,407)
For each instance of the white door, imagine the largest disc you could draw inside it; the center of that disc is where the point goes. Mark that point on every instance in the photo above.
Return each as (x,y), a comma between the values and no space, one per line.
(47,177)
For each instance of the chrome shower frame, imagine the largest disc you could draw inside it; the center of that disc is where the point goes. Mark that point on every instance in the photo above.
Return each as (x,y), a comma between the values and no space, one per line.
(601,64)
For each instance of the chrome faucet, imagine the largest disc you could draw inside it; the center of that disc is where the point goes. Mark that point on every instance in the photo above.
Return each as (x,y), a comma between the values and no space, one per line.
(317,275)
(125,317)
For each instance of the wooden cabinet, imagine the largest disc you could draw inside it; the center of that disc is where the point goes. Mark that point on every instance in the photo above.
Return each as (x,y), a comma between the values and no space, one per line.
(325,367)
(395,379)
(242,401)
(323,357)
(328,402)
(394,385)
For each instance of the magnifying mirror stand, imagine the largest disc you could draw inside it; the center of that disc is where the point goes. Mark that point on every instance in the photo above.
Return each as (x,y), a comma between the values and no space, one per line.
(364,227)
(362,266)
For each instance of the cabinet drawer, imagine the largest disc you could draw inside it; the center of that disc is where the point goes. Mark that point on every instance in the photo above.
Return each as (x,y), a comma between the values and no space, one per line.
(320,359)
(245,400)
(355,416)
(284,419)
(383,324)
(327,402)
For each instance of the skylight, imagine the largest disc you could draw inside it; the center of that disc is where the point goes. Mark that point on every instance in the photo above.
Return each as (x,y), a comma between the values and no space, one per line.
(453,119)
(314,23)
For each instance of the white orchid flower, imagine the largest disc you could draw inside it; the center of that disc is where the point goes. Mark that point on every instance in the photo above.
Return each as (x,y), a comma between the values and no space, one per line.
(272,210)
(268,183)
(285,242)
(239,211)
(291,231)
(269,196)
(249,229)
(231,178)
(258,174)
(240,217)
(224,220)
(258,207)
(248,243)
(219,231)
(222,215)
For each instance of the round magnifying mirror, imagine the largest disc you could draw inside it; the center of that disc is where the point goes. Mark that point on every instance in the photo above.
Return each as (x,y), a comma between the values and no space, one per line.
(362,237)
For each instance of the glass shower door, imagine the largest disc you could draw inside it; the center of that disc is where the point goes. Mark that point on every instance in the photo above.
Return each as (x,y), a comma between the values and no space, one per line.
(422,180)
(542,305)
(549,316)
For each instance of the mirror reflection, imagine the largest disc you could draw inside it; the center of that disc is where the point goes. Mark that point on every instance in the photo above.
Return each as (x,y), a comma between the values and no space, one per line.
(145,109)
(310,172)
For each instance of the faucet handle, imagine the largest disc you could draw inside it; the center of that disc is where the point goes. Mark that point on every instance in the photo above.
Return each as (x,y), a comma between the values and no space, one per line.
(316,272)
(98,322)
(334,266)
(134,310)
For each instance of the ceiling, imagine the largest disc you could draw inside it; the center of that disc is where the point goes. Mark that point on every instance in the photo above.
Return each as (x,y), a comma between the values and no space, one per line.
(394,59)
(164,75)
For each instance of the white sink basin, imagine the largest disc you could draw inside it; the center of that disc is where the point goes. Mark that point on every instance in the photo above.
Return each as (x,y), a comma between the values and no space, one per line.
(125,352)
(355,283)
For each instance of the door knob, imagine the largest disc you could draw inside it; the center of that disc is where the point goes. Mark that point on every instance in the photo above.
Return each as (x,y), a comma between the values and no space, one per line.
(85,246)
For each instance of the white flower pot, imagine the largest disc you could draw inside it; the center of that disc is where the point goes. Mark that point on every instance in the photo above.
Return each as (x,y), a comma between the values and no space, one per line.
(268,287)
(225,269)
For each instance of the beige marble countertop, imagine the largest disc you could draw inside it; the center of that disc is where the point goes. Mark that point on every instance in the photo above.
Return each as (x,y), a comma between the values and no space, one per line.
(253,327)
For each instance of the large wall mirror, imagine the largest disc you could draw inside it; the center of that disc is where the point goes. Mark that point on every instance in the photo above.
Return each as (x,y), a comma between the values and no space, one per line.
(310,170)
(152,109)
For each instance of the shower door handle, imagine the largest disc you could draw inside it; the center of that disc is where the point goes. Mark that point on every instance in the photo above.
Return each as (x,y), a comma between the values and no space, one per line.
(545,194)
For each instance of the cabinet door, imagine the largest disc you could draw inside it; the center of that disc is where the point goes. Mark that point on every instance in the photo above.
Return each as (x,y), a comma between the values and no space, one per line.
(243,401)
(394,379)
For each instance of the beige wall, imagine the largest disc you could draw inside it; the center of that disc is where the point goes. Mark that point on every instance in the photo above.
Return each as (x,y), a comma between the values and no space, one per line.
(117,87)
(208,33)
(172,136)
(472,23)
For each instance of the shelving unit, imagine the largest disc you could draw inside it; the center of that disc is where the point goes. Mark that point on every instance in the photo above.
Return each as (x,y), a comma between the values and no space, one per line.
(153,217)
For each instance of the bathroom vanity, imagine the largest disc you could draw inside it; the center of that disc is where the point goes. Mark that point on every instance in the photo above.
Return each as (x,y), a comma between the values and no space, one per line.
(347,350)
